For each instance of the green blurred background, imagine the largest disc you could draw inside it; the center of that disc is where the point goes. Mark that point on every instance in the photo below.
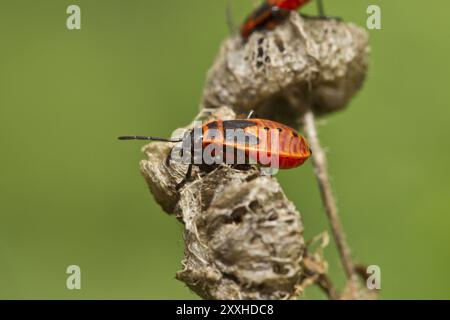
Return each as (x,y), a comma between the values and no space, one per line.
(71,194)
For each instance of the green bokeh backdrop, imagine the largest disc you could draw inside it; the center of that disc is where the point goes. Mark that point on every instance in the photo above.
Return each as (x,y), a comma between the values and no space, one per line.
(71,194)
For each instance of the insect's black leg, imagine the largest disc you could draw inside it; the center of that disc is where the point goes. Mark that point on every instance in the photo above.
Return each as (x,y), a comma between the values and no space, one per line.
(320,8)
(230,21)
(189,172)
(321,13)
(168,158)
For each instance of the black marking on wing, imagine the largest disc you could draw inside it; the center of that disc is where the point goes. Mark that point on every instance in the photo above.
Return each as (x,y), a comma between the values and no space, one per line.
(238,124)
(249,139)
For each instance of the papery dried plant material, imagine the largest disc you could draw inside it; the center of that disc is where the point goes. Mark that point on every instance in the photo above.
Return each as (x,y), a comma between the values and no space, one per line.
(315,267)
(243,237)
(322,62)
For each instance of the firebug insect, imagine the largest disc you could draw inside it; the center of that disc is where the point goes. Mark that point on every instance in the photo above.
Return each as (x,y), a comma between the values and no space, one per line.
(291,149)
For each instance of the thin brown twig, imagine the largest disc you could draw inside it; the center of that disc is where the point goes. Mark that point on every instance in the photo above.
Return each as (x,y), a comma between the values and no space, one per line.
(320,166)
(327,286)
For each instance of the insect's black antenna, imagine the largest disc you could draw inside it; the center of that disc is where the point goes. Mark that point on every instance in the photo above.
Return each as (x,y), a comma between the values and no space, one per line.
(149,138)
(230,21)
(320,8)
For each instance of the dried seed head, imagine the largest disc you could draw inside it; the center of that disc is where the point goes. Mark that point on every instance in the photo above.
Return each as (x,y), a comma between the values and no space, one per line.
(303,62)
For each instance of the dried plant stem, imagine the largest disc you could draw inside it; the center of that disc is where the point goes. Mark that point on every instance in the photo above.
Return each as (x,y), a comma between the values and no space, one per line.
(327,287)
(320,166)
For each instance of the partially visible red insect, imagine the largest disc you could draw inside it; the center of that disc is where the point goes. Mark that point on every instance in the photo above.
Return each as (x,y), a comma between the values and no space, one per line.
(290,148)
(269,15)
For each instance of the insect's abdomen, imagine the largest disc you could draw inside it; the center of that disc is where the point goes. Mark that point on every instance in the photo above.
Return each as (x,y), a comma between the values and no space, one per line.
(281,142)
(286,162)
